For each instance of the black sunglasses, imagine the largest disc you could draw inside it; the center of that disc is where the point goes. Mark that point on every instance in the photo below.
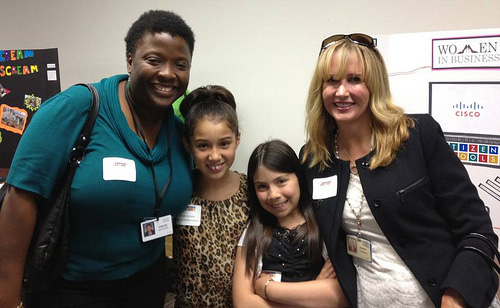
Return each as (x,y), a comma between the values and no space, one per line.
(356,38)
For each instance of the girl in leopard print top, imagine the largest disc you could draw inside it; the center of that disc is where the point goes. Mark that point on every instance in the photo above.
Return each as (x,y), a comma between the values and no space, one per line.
(206,235)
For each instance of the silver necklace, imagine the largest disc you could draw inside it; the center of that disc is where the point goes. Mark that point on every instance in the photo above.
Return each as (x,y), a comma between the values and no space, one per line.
(353,168)
(357,215)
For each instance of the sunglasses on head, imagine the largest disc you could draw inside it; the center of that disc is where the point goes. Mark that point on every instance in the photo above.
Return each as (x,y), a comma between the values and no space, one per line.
(356,38)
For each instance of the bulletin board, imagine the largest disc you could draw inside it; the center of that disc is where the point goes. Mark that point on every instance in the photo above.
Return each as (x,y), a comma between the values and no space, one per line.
(27,79)
(455,77)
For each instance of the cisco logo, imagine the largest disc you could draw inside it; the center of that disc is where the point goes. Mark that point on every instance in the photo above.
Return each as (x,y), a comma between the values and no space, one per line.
(468,110)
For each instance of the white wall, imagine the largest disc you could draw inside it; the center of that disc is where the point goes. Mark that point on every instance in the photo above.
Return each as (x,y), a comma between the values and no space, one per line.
(263,50)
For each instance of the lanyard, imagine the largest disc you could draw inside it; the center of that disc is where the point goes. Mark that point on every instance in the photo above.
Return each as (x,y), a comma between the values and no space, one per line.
(158,195)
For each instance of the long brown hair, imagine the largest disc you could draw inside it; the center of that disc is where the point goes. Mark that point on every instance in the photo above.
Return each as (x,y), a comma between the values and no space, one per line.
(278,156)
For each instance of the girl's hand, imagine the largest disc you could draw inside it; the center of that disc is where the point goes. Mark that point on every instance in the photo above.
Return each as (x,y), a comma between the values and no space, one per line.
(260,284)
(327,272)
(452,299)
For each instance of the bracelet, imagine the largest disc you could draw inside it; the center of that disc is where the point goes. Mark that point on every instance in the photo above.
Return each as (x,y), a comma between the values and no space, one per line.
(265,288)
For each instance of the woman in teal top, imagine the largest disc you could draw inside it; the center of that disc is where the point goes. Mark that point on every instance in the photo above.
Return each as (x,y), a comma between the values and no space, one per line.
(135,148)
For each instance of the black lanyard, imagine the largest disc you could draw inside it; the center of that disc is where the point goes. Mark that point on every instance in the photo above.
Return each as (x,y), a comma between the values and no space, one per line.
(158,195)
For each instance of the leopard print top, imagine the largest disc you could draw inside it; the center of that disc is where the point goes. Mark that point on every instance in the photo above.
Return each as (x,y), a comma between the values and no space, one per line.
(204,255)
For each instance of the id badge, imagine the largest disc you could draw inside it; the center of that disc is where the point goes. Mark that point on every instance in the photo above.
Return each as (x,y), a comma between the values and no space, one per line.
(155,228)
(190,217)
(359,247)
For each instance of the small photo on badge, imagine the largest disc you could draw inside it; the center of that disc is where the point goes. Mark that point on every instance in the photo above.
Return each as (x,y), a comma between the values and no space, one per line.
(353,245)
(149,229)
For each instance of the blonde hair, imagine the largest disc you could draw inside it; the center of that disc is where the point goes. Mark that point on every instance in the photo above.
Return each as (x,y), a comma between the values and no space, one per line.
(388,122)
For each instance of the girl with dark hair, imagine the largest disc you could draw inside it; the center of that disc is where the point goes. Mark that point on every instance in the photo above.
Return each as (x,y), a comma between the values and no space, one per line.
(279,260)
(206,235)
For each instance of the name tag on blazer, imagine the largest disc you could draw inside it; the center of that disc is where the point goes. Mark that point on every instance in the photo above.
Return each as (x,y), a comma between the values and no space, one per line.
(324,187)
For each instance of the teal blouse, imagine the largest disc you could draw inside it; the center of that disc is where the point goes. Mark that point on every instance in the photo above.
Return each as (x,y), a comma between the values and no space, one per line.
(105,214)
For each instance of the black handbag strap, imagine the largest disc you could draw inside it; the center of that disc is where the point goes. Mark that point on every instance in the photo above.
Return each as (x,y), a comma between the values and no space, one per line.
(78,152)
(50,245)
(485,256)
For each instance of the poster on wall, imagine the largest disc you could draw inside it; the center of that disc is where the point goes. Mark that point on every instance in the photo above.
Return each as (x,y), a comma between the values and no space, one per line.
(455,77)
(469,113)
(27,79)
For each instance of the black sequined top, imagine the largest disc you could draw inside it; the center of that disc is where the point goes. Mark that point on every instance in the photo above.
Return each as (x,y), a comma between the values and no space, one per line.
(290,257)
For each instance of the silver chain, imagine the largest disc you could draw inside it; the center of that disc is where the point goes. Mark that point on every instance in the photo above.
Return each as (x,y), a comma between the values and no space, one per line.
(357,215)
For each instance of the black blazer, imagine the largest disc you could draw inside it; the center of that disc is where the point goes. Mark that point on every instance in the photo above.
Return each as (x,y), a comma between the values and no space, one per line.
(425,203)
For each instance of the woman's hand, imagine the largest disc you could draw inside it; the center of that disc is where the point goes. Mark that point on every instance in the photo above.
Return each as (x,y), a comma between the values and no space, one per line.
(327,272)
(452,299)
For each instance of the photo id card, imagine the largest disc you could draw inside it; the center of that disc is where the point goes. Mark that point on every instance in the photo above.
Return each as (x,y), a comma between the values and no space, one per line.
(156,228)
(190,217)
(359,247)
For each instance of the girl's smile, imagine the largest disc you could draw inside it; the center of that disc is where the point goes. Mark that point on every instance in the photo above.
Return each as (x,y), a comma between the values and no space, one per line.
(213,146)
(279,194)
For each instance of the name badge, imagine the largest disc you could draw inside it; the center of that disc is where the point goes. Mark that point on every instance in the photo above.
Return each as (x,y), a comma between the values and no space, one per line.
(324,187)
(156,228)
(275,275)
(190,217)
(359,247)
(118,169)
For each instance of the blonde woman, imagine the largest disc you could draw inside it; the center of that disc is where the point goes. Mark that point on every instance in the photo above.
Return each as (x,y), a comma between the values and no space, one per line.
(390,184)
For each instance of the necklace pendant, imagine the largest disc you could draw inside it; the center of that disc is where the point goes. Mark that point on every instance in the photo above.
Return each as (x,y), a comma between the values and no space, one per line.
(354,170)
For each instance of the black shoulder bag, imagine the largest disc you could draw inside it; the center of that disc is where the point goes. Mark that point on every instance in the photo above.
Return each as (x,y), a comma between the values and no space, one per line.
(49,248)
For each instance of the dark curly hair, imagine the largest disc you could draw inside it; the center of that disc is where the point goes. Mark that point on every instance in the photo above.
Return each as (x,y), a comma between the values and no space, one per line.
(158,21)
(212,101)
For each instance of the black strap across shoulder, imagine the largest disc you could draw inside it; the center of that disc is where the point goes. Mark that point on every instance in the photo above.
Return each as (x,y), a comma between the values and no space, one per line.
(78,152)
(83,139)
